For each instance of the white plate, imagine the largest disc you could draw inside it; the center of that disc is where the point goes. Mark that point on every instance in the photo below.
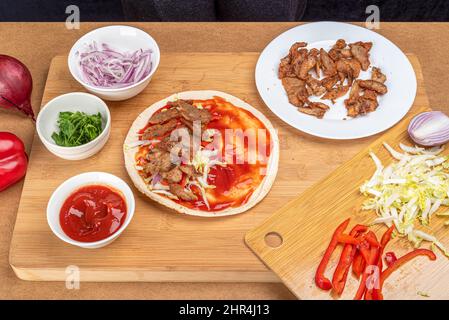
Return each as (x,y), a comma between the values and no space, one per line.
(401,82)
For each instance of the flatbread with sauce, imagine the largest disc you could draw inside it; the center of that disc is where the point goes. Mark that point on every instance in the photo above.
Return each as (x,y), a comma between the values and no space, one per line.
(217,172)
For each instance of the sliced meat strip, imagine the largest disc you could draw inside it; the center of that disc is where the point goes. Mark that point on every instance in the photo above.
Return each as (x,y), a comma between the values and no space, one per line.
(192,113)
(319,105)
(346,53)
(355,66)
(373,85)
(159,161)
(355,90)
(164,116)
(370,94)
(369,105)
(377,75)
(159,130)
(182,193)
(293,52)
(328,65)
(316,109)
(315,85)
(296,91)
(307,65)
(335,93)
(329,82)
(360,52)
(285,68)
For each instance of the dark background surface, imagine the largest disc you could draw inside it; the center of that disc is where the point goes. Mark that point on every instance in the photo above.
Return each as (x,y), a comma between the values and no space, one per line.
(224,10)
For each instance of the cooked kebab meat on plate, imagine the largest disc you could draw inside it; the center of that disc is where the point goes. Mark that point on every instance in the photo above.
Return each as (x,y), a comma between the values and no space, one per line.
(330,75)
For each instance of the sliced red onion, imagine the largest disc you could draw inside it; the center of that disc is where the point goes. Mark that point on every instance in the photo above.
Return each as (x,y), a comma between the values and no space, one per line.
(106,67)
(156,179)
(429,128)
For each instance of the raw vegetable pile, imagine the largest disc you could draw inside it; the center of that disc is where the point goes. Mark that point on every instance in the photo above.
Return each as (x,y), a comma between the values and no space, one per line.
(409,191)
(77,128)
(363,252)
(109,68)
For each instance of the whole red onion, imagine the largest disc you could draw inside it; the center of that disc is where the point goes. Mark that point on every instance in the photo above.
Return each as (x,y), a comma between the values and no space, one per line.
(16,85)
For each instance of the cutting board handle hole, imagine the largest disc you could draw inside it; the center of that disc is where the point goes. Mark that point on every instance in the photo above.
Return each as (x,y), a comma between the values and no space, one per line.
(273,240)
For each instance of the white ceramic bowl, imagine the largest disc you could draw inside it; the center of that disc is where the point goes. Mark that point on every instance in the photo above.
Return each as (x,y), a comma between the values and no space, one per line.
(46,124)
(122,38)
(69,186)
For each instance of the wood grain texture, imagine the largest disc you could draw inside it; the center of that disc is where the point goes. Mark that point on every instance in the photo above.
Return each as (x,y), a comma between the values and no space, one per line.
(160,245)
(307,223)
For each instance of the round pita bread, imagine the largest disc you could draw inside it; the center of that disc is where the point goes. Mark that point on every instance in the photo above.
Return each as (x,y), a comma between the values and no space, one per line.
(142,120)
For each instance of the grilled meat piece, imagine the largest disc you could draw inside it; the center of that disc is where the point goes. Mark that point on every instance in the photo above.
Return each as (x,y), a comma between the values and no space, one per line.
(159,130)
(340,44)
(377,75)
(182,193)
(360,106)
(328,65)
(316,109)
(355,67)
(379,87)
(315,85)
(296,91)
(307,65)
(173,176)
(293,52)
(335,93)
(346,53)
(370,95)
(360,52)
(286,68)
(164,116)
(158,161)
(329,82)
(192,113)
(355,90)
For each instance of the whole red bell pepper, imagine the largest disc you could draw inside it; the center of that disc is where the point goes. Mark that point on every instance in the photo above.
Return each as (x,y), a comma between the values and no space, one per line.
(13,159)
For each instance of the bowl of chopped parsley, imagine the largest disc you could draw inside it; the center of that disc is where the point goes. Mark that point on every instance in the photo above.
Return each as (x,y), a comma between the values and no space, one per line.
(74,126)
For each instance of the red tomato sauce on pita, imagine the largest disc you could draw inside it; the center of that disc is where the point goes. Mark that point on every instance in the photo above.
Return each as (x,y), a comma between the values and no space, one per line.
(235,182)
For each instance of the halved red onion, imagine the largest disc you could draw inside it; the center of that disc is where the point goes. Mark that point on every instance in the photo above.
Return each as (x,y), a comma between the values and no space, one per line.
(429,128)
(109,68)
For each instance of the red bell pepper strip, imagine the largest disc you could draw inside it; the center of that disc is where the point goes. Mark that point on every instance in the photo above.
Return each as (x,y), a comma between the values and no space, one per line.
(370,261)
(386,237)
(358,264)
(390,258)
(346,257)
(348,239)
(375,293)
(320,279)
(13,160)
(404,259)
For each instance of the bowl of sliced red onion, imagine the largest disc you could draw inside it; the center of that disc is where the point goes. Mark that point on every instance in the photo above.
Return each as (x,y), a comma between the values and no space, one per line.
(114,62)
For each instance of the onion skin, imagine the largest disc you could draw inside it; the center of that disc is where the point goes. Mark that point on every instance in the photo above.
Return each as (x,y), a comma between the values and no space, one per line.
(16,85)
(429,128)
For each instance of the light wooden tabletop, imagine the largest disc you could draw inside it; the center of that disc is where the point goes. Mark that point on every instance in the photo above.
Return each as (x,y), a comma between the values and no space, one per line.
(35,44)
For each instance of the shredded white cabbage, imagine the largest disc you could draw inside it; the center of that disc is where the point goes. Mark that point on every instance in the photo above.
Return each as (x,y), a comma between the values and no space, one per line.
(409,190)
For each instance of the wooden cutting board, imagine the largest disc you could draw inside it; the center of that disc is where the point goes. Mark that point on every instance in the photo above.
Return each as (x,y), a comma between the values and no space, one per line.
(292,241)
(160,245)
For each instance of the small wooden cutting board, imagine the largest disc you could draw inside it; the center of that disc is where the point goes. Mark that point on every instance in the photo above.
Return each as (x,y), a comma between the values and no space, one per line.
(292,241)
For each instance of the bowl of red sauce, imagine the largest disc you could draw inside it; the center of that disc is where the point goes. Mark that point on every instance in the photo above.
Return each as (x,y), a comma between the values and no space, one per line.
(90,210)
